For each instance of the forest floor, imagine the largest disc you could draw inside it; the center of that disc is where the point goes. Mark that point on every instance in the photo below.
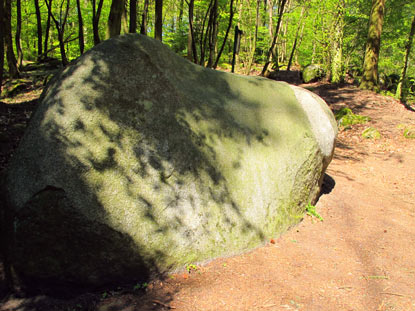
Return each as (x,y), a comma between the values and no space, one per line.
(361,257)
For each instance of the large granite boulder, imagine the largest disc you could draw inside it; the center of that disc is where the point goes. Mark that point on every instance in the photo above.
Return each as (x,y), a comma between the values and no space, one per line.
(138,162)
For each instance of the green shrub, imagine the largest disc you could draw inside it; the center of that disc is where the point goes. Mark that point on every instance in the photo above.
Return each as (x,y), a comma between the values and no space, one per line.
(311,211)
(345,117)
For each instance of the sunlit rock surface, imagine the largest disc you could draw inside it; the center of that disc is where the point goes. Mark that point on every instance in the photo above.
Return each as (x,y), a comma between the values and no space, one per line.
(138,162)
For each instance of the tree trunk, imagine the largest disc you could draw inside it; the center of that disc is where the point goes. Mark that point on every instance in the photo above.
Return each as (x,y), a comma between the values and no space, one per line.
(226,34)
(190,34)
(205,35)
(45,54)
(235,57)
(39,28)
(1,43)
(300,25)
(60,27)
(236,45)
(80,28)
(96,14)
(336,53)
(253,48)
(299,43)
(180,18)
(143,28)
(370,78)
(158,24)
(114,18)
(133,16)
(18,33)
(402,89)
(191,43)
(124,18)
(62,48)
(282,55)
(61,34)
(8,41)
(270,4)
(272,50)
(213,20)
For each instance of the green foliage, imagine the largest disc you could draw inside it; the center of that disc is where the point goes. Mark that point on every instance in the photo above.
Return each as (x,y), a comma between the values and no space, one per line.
(394,36)
(408,131)
(176,39)
(345,117)
(371,133)
(139,286)
(191,267)
(387,93)
(312,211)
(309,24)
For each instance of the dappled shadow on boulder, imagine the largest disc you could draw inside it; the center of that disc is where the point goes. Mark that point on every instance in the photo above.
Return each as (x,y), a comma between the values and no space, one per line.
(71,246)
(123,135)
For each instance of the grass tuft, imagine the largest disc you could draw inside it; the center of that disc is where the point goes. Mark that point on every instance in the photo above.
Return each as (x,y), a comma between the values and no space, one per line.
(371,133)
(345,117)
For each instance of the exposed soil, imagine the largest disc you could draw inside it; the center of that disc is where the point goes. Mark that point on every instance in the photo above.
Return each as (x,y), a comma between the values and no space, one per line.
(361,257)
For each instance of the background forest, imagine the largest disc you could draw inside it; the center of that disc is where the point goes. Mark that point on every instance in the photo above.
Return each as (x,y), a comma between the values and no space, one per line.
(274,34)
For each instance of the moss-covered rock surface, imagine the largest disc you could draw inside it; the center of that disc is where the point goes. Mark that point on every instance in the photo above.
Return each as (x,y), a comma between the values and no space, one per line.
(138,162)
(312,73)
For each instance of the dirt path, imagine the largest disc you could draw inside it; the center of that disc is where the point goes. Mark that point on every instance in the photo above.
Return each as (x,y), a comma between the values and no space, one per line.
(361,257)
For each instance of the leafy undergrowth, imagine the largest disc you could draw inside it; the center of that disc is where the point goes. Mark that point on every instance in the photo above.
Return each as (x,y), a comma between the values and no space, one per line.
(345,117)
(371,133)
(408,131)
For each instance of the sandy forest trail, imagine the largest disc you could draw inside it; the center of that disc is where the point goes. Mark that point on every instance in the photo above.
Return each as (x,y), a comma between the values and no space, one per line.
(361,257)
